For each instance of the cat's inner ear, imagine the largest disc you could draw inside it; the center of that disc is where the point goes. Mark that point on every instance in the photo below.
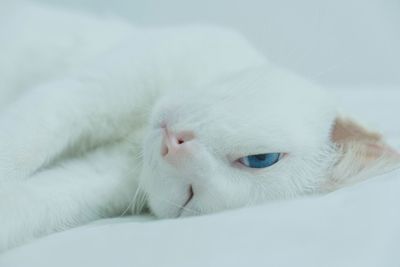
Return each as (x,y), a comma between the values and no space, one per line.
(361,154)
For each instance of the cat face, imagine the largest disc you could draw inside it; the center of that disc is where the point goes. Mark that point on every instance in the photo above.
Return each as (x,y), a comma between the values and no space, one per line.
(196,154)
(259,136)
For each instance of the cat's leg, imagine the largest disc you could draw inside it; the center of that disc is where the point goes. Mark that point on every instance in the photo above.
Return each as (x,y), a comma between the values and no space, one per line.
(52,118)
(99,185)
(37,122)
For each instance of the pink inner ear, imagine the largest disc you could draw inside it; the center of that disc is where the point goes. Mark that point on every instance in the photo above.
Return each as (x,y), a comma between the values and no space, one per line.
(363,154)
(347,130)
(374,151)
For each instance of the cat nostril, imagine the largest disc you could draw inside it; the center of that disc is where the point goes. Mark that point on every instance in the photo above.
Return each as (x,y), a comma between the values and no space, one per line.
(172,142)
(185,137)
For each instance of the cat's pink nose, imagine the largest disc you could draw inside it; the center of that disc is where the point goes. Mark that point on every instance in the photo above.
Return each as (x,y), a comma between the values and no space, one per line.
(175,144)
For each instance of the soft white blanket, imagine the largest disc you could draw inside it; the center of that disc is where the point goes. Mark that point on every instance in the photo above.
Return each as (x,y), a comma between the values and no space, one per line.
(356,226)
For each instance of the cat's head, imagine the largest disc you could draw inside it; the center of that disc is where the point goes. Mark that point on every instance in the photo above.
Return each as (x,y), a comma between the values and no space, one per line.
(261,135)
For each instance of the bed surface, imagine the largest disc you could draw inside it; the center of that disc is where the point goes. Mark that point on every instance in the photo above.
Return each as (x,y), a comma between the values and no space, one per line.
(355,226)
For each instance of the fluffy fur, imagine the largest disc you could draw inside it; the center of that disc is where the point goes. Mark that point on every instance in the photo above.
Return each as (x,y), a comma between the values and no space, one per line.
(85,101)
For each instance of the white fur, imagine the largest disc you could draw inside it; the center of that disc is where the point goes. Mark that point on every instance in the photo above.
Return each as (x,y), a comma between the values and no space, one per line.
(82,100)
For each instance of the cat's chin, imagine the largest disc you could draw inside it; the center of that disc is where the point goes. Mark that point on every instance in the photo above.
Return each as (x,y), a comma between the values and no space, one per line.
(176,213)
(171,209)
(188,213)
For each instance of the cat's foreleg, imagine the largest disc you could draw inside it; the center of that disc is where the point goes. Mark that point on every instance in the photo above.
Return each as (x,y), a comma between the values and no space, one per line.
(50,119)
(99,185)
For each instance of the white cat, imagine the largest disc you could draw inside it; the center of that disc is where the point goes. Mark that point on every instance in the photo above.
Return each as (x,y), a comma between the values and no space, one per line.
(99,119)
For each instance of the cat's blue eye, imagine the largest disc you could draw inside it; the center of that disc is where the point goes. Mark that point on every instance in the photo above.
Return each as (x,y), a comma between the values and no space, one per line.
(260,160)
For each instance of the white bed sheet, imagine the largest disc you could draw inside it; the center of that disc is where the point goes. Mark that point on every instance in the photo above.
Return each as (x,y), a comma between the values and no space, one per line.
(355,226)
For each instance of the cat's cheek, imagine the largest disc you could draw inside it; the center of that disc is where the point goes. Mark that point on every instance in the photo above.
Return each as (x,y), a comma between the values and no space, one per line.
(165,196)
(162,206)
(163,211)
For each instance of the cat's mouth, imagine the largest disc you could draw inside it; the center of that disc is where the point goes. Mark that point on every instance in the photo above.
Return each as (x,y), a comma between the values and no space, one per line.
(191,194)
(190,197)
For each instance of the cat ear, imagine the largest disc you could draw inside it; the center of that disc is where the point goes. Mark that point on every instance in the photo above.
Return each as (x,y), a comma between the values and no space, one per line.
(361,154)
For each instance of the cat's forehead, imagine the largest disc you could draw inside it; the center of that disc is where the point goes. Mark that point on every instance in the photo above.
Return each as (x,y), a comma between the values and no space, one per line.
(268,88)
(259,104)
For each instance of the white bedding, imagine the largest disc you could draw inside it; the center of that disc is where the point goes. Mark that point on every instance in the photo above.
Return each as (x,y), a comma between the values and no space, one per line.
(355,226)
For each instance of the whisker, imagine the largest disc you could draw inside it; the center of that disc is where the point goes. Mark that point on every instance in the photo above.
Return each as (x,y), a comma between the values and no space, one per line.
(134,202)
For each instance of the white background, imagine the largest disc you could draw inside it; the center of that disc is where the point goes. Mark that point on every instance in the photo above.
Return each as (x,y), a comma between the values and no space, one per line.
(352,42)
